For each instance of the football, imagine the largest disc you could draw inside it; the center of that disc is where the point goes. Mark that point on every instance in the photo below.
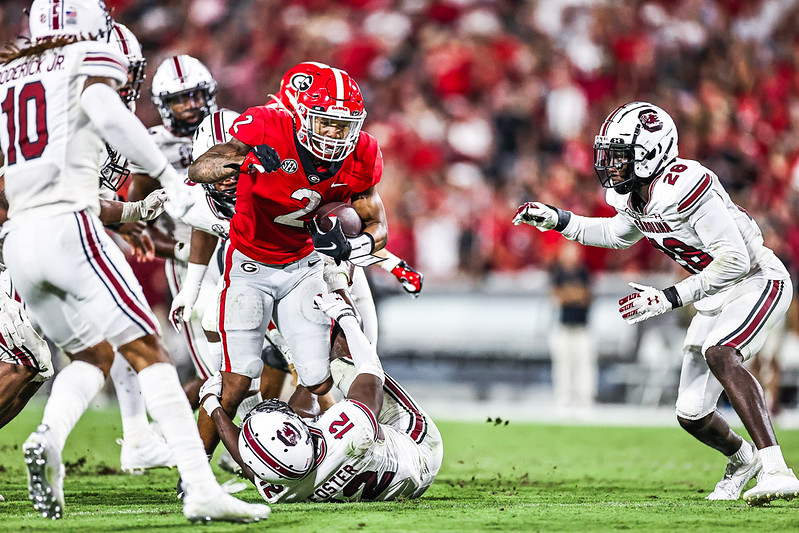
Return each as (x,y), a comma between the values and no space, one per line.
(351,223)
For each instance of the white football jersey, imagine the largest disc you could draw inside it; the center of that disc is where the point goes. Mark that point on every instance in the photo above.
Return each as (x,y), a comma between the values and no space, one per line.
(201,215)
(686,203)
(353,464)
(52,150)
(178,151)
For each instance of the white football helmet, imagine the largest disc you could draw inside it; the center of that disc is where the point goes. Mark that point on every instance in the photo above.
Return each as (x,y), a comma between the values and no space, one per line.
(64,18)
(130,47)
(180,77)
(275,443)
(636,142)
(213,130)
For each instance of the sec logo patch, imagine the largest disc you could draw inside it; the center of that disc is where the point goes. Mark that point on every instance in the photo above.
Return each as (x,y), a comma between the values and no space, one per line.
(289,166)
(249,268)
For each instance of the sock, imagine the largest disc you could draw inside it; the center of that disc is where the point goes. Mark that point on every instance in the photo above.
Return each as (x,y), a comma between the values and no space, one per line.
(772,459)
(135,425)
(215,355)
(744,455)
(168,406)
(247,404)
(73,389)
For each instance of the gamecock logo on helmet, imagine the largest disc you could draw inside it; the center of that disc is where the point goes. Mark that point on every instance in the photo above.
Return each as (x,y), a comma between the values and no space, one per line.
(288,435)
(650,120)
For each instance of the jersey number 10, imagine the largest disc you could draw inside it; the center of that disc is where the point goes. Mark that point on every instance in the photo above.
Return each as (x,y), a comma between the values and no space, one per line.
(18,108)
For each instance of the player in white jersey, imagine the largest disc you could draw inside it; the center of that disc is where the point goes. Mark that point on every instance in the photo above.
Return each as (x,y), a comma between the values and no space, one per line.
(184,92)
(739,288)
(61,103)
(375,444)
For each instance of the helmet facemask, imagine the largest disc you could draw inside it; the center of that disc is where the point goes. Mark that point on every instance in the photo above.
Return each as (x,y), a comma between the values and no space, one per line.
(114,171)
(614,162)
(131,91)
(222,196)
(183,127)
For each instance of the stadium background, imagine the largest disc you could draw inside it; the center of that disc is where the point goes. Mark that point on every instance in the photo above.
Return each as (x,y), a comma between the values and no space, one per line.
(481,105)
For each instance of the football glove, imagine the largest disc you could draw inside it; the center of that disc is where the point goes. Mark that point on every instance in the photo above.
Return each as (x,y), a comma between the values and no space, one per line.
(212,386)
(333,305)
(410,278)
(262,158)
(332,243)
(543,217)
(146,209)
(183,304)
(643,304)
(13,320)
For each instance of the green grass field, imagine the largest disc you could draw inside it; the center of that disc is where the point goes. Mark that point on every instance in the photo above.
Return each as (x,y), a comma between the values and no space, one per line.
(495,477)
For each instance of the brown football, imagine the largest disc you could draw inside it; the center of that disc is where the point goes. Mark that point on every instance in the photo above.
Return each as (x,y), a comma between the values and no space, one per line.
(351,223)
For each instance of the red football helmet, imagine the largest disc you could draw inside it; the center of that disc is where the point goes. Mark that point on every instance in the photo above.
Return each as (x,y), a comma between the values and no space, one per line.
(329,111)
(297,77)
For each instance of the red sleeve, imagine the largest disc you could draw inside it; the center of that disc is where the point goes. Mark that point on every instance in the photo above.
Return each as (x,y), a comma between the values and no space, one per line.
(369,162)
(249,127)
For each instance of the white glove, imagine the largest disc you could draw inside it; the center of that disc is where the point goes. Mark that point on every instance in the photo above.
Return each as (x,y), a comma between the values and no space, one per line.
(12,321)
(184,301)
(212,386)
(536,214)
(147,209)
(333,306)
(337,276)
(646,303)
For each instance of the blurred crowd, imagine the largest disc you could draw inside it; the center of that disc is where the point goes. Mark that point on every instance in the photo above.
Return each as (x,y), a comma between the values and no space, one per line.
(481,105)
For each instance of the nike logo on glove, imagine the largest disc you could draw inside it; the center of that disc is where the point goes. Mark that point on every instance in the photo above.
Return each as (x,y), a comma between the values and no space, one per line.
(331,247)
(337,185)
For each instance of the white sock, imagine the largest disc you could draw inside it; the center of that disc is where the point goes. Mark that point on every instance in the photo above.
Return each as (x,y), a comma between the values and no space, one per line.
(744,455)
(135,425)
(168,406)
(772,459)
(73,389)
(215,354)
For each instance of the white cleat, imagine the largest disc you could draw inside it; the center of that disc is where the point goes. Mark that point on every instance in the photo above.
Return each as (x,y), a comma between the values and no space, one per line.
(735,479)
(45,474)
(774,485)
(151,453)
(222,507)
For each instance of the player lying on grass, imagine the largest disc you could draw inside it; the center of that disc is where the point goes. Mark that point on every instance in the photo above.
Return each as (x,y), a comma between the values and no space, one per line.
(739,288)
(347,453)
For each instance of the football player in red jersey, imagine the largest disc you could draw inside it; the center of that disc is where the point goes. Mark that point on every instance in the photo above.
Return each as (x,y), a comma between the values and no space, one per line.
(290,161)
(739,288)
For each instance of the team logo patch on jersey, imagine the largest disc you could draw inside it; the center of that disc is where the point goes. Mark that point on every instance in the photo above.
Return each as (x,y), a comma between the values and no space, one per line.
(650,120)
(313,178)
(219,229)
(289,166)
(249,268)
(288,435)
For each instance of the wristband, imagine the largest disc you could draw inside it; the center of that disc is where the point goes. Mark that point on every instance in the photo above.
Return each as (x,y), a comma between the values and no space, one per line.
(563,217)
(211,403)
(363,244)
(673,296)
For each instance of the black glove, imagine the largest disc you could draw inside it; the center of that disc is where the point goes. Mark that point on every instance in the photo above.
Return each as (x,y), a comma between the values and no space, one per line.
(333,243)
(261,158)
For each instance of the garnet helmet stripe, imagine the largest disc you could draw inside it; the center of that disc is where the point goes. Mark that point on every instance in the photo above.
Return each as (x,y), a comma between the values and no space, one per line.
(178,67)
(122,40)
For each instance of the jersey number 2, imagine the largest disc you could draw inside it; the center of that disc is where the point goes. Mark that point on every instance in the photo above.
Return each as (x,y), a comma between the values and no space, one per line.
(293,218)
(18,108)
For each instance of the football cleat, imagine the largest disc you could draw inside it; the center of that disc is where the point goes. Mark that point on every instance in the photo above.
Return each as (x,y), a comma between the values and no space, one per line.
(774,485)
(735,479)
(222,507)
(45,473)
(410,278)
(150,453)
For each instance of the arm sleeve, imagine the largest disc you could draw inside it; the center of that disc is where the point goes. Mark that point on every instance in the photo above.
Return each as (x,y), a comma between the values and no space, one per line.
(121,128)
(716,228)
(616,232)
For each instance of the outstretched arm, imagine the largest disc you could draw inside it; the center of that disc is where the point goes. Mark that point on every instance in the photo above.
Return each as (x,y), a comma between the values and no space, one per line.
(220,162)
